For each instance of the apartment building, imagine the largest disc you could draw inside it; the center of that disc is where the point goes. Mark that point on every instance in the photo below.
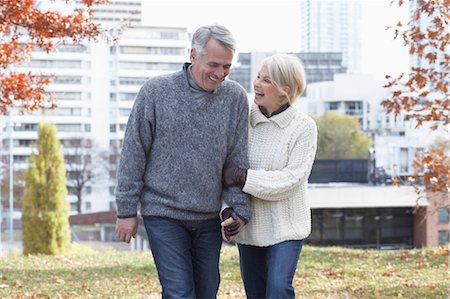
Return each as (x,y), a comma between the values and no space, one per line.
(95,85)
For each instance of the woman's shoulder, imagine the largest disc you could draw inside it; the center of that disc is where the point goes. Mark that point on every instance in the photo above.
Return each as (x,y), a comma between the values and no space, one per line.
(304,120)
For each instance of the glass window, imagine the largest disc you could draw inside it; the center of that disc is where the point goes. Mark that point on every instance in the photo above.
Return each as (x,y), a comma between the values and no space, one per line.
(68,96)
(124,112)
(443,215)
(404,159)
(68,127)
(443,237)
(127,96)
(333,106)
(375,227)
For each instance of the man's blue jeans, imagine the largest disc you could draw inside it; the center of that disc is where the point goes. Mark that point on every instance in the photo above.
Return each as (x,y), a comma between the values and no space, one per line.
(268,272)
(186,255)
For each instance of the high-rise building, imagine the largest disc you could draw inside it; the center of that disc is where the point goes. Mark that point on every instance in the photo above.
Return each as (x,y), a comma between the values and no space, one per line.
(332,26)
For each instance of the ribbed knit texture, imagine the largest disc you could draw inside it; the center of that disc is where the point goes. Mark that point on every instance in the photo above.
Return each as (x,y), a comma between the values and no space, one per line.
(176,144)
(281,153)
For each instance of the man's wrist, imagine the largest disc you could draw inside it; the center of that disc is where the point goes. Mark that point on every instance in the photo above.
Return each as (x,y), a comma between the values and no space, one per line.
(226,213)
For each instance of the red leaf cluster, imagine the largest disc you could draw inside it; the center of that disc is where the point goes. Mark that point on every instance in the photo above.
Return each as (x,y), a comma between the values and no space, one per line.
(424,95)
(23,27)
(436,178)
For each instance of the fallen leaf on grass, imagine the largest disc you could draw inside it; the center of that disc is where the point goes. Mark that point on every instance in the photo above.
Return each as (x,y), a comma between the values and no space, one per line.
(390,271)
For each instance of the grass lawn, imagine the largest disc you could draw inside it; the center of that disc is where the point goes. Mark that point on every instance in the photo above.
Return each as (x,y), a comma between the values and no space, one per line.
(331,272)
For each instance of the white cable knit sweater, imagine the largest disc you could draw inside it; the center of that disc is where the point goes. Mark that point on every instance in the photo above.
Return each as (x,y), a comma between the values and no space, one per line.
(281,153)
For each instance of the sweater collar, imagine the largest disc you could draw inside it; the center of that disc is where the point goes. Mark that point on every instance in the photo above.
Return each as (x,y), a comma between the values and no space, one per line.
(278,111)
(187,67)
(281,119)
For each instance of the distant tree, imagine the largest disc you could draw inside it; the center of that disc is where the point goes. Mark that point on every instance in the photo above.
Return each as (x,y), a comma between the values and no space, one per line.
(340,137)
(45,213)
(423,94)
(18,186)
(23,27)
(85,165)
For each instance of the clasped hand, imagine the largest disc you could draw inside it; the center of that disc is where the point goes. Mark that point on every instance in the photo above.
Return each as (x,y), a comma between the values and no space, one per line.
(231,225)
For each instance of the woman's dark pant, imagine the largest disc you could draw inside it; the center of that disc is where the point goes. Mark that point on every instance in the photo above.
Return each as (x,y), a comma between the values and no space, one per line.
(186,255)
(268,272)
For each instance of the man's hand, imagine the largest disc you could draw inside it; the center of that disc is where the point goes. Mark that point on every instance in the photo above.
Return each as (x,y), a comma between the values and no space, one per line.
(231,225)
(126,228)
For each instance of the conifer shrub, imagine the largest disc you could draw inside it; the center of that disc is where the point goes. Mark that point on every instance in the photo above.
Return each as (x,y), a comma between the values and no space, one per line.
(45,213)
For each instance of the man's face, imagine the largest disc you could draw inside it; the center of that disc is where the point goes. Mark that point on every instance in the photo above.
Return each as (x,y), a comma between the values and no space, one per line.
(213,66)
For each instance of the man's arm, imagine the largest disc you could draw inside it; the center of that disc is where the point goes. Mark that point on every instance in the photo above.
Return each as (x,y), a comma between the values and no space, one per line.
(234,196)
(131,170)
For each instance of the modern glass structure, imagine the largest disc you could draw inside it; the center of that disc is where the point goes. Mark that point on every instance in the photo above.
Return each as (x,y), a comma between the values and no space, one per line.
(364,228)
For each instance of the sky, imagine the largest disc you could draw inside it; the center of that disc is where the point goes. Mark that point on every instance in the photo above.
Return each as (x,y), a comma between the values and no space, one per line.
(272,25)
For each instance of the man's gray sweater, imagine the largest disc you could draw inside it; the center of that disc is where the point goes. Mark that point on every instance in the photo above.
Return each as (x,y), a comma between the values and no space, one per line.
(175,147)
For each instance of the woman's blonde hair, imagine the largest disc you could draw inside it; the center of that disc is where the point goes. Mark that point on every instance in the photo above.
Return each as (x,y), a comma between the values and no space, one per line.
(286,70)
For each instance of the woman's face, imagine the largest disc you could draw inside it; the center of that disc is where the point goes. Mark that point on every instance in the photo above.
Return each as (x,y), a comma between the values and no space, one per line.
(266,94)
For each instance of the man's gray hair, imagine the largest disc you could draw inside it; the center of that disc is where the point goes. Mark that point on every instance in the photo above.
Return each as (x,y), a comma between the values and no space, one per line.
(217,32)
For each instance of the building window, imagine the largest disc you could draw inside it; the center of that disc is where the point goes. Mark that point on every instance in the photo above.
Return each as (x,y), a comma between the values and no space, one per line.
(68,96)
(87,206)
(333,106)
(68,127)
(403,159)
(20,159)
(127,96)
(124,112)
(443,237)
(443,215)
(373,228)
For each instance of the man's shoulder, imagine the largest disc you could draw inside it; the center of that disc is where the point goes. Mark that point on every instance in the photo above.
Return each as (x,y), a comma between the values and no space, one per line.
(233,91)
(163,80)
(233,85)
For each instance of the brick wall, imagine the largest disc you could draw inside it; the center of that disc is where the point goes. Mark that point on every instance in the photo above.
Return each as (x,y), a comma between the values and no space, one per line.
(93,218)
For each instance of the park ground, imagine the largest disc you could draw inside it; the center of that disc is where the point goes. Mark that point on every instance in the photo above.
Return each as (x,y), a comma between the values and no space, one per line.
(323,272)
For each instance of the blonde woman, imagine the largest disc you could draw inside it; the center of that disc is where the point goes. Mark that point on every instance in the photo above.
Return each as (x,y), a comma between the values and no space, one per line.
(282,147)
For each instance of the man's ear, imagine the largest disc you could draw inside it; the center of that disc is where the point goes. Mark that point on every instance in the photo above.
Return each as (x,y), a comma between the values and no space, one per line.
(192,55)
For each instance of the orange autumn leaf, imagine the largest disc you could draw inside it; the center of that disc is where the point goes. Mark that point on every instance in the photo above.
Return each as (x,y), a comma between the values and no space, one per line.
(23,27)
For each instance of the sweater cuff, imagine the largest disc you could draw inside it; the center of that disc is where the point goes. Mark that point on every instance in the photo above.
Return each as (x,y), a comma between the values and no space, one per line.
(250,185)
(126,216)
